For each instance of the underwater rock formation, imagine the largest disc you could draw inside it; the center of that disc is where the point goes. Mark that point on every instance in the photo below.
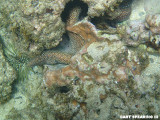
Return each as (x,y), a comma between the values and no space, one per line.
(41,26)
(155,41)
(153,22)
(32,25)
(120,13)
(97,8)
(134,33)
(113,79)
(100,62)
(37,25)
(109,20)
(7,77)
(109,73)
(80,33)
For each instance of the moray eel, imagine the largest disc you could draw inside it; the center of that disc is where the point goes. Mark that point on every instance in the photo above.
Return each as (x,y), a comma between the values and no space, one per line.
(124,11)
(62,54)
(76,41)
(120,13)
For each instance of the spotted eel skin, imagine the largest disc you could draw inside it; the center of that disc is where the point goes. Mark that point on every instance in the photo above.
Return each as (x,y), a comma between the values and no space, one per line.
(76,40)
(62,56)
(121,13)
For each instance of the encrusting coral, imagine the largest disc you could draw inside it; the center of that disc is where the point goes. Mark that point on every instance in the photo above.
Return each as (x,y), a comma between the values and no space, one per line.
(117,63)
(98,8)
(80,33)
(32,25)
(153,23)
(83,32)
(84,65)
(121,13)
(105,75)
(39,18)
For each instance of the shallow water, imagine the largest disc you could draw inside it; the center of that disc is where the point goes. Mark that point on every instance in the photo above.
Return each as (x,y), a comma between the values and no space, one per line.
(99,63)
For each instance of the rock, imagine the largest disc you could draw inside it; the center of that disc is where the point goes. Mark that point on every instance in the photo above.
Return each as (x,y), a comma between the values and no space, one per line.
(7,77)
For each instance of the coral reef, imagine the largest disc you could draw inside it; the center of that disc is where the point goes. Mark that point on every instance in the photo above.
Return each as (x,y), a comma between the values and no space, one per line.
(97,8)
(134,33)
(37,25)
(100,62)
(32,25)
(112,64)
(137,32)
(153,23)
(87,99)
(155,41)
(44,20)
(80,34)
(121,13)
(28,101)
(7,77)
(109,20)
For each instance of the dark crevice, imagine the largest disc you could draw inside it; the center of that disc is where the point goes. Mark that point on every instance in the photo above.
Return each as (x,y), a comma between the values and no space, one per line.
(107,20)
(152,45)
(65,45)
(73,4)
(126,3)
(56,89)
(63,89)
